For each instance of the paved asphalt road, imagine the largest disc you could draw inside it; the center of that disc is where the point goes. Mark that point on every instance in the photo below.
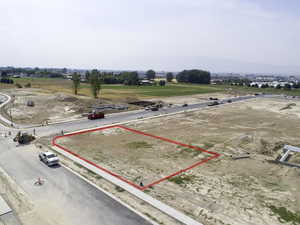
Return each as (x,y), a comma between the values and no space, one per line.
(116,118)
(71,200)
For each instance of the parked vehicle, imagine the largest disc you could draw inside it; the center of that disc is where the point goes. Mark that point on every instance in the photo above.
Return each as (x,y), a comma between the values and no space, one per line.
(185,105)
(49,158)
(154,108)
(213,103)
(229,101)
(211,98)
(95,115)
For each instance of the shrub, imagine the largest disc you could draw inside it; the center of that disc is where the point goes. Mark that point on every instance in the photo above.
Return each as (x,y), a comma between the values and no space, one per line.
(18,85)
(285,216)
(181,179)
(162,83)
(28,85)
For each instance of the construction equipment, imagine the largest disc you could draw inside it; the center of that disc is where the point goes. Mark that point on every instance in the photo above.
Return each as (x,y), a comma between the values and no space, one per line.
(95,115)
(30,103)
(213,103)
(23,138)
(154,108)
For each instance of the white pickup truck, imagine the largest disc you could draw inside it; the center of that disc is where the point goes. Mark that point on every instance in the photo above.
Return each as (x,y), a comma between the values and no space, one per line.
(49,158)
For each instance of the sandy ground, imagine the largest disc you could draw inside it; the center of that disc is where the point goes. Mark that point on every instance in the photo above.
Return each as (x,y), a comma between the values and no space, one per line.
(222,191)
(48,106)
(130,147)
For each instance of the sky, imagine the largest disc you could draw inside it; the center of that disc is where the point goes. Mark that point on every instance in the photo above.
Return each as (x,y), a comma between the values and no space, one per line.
(251,36)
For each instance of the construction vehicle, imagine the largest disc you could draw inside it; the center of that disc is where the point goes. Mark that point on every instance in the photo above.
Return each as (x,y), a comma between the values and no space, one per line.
(30,103)
(23,138)
(213,103)
(154,108)
(95,115)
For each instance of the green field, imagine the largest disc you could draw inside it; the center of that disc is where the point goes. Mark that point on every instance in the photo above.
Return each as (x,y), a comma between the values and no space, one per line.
(51,85)
(117,91)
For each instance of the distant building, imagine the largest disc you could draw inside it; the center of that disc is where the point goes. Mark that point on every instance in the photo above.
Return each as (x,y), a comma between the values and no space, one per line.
(146,82)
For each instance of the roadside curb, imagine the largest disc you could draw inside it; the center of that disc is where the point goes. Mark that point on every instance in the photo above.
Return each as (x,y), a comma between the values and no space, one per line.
(173,213)
(111,195)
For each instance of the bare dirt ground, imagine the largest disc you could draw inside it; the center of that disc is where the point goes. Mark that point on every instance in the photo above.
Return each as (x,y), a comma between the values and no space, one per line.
(58,106)
(224,190)
(130,147)
(51,107)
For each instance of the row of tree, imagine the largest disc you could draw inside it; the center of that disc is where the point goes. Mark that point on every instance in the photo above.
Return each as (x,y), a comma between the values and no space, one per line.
(96,78)
(187,76)
(5,79)
(36,72)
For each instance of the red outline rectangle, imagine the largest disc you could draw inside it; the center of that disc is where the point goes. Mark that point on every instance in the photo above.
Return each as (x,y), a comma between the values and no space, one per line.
(214,154)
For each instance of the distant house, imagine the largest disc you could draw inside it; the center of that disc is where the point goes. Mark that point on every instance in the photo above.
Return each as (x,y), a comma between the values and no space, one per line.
(67,76)
(146,82)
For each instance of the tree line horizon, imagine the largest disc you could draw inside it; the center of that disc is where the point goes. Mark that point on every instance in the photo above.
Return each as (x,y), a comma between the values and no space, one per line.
(96,78)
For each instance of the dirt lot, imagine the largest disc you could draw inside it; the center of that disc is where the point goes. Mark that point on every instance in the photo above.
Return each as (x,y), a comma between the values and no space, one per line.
(224,190)
(132,147)
(51,107)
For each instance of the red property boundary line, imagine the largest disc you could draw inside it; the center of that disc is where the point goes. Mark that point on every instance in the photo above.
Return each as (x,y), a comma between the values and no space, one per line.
(214,154)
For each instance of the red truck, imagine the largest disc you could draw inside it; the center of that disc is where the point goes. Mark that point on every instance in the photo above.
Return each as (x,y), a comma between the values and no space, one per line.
(95,115)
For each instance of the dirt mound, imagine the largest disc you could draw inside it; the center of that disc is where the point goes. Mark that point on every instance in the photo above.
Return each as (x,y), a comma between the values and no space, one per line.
(65,98)
(288,106)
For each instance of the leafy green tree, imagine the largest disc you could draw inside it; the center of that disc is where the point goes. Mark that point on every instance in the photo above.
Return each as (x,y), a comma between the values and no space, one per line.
(87,76)
(194,76)
(287,87)
(110,78)
(150,74)
(170,76)
(76,82)
(162,83)
(4,74)
(95,82)
(130,78)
